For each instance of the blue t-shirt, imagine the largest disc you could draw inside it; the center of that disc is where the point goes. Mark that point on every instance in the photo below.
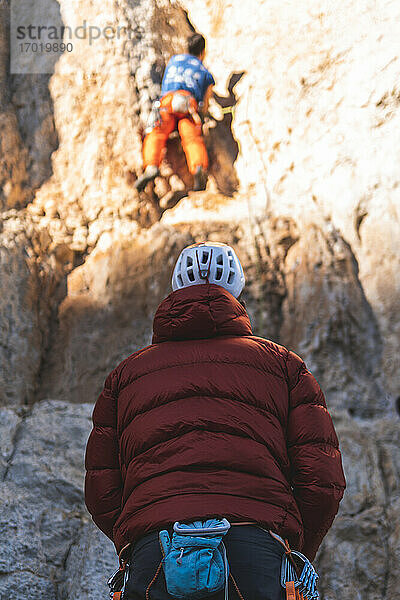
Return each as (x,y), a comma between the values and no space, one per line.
(186,72)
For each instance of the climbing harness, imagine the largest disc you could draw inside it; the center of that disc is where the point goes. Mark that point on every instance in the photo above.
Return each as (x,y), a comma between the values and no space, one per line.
(117,581)
(194,560)
(195,564)
(180,103)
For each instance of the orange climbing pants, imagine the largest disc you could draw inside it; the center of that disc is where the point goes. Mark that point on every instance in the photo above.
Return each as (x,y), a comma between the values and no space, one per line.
(189,131)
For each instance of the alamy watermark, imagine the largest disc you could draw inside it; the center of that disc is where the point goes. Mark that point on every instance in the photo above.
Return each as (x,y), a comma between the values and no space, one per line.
(38,36)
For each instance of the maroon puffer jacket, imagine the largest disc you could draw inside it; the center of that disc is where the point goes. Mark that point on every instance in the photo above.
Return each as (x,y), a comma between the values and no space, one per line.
(211,420)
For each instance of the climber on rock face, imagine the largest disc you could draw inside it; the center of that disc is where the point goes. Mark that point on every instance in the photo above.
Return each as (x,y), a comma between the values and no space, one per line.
(211,422)
(186,90)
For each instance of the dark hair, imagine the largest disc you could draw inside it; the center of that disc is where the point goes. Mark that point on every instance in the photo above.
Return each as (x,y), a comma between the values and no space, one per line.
(196,44)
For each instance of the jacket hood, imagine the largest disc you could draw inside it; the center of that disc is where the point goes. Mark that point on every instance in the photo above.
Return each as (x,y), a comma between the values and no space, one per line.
(198,312)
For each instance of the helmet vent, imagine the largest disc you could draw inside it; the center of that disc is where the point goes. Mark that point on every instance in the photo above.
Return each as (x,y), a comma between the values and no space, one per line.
(209,262)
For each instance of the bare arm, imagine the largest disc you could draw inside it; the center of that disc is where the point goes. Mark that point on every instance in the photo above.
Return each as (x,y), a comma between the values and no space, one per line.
(206,100)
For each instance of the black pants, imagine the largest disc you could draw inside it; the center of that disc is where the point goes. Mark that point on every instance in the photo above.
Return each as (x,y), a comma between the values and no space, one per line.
(254,558)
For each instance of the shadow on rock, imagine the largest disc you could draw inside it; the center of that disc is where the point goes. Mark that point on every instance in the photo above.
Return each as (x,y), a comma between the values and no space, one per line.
(223,149)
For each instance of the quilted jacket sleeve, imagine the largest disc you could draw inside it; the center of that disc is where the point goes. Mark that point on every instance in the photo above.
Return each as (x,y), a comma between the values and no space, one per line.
(316,467)
(103,482)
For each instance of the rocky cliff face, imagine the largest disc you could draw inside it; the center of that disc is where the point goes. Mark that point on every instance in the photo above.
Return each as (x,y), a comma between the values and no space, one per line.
(303,183)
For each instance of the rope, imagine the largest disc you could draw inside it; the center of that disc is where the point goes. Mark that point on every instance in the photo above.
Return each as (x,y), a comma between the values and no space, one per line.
(236,586)
(153,580)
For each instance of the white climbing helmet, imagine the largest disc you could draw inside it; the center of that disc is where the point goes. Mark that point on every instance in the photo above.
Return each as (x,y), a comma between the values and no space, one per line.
(209,262)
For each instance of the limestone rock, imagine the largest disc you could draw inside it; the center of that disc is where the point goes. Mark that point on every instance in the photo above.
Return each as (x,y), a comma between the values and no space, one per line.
(8,428)
(359,553)
(32,269)
(379,272)
(13,176)
(315,114)
(43,523)
(22,339)
(108,310)
(327,318)
(27,130)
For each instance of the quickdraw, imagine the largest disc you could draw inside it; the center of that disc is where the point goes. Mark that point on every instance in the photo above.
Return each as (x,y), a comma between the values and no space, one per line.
(303,586)
(298,576)
(117,581)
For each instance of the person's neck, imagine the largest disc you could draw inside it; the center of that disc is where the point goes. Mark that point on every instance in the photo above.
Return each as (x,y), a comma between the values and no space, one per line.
(201,57)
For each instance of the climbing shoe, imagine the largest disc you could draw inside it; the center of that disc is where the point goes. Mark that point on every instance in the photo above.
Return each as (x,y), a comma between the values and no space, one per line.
(150,173)
(199,180)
